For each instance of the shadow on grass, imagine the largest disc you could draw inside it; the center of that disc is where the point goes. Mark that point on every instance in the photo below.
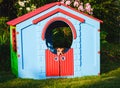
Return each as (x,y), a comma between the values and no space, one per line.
(108,65)
(6,76)
(107,83)
(109,80)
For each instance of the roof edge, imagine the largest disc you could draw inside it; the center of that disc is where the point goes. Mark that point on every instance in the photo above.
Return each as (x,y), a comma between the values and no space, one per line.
(92,17)
(42,9)
(56,11)
(32,13)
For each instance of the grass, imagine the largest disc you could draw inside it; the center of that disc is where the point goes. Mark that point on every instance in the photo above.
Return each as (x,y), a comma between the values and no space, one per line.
(106,80)
(109,78)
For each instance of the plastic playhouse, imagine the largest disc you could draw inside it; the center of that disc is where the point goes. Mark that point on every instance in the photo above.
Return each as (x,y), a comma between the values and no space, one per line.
(31,52)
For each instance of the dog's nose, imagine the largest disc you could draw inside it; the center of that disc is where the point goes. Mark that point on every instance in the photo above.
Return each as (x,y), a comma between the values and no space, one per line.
(60,53)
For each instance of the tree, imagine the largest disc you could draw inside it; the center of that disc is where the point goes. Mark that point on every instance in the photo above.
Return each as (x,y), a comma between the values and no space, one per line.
(7,9)
(25,6)
(62,37)
(109,12)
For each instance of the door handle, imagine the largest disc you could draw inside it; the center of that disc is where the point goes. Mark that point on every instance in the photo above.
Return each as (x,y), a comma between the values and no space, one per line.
(63,58)
(56,58)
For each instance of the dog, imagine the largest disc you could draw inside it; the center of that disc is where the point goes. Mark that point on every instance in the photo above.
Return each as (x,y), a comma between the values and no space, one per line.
(60,51)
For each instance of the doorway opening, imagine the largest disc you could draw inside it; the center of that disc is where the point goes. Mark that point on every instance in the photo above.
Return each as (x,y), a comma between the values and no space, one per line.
(58,35)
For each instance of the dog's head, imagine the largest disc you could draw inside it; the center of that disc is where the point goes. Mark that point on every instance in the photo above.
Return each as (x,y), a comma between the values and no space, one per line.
(60,51)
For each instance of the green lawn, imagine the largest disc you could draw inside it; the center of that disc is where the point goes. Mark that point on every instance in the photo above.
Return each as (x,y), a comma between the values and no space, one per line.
(105,80)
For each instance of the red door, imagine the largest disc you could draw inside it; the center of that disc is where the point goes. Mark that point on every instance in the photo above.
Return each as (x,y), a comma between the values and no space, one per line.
(59,65)
(52,64)
(66,63)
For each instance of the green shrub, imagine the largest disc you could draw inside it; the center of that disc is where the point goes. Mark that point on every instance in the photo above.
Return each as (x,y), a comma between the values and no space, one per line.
(103,36)
(4,44)
(4,32)
(110,57)
(62,37)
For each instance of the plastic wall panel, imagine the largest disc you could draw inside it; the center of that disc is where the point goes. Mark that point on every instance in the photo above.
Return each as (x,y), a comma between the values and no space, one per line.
(89,50)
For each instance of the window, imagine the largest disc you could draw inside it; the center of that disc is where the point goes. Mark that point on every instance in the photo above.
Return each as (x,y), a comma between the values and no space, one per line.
(14,40)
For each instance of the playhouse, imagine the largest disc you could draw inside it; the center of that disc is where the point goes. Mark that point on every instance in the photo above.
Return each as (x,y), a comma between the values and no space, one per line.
(31,51)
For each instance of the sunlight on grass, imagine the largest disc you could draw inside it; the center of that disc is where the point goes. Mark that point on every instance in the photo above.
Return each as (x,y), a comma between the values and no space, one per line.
(108,80)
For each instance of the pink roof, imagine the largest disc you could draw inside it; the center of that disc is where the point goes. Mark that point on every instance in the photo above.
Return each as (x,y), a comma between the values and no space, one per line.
(41,9)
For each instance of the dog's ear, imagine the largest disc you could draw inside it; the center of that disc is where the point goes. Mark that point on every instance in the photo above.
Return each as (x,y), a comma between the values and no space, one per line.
(56,48)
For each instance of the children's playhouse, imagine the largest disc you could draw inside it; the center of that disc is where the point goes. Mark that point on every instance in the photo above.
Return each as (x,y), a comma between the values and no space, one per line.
(31,53)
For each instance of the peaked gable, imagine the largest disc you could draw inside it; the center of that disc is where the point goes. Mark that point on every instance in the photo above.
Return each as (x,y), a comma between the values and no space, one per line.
(56,11)
(46,7)
(31,14)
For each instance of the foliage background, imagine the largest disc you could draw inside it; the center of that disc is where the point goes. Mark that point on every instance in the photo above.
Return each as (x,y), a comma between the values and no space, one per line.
(106,10)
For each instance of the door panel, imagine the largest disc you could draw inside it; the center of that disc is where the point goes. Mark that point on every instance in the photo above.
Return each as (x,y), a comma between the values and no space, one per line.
(62,65)
(66,63)
(52,64)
